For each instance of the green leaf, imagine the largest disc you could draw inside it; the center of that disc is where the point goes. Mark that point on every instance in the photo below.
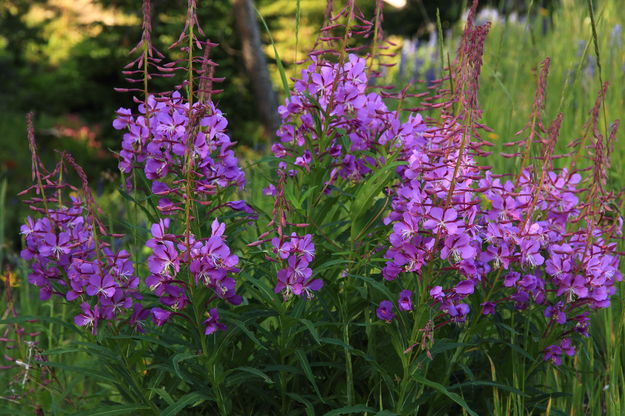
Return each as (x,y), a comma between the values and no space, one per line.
(183,356)
(163,394)
(256,372)
(490,384)
(312,329)
(367,192)
(441,389)
(285,83)
(347,410)
(310,410)
(301,356)
(40,319)
(145,338)
(85,371)
(129,197)
(241,325)
(375,284)
(112,410)
(14,412)
(267,292)
(193,398)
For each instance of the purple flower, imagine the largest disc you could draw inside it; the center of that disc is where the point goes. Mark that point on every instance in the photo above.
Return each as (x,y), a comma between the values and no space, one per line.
(511,279)
(573,286)
(466,287)
(567,347)
(89,317)
(164,258)
(241,206)
(124,117)
(459,246)
(385,311)
(488,308)
(404,231)
(303,246)
(405,300)
(391,271)
(304,160)
(557,265)
(442,221)
(101,285)
(437,293)
(530,252)
(212,324)
(553,353)
(296,278)
(55,245)
(499,254)
(160,316)
(556,312)
(139,315)
(270,190)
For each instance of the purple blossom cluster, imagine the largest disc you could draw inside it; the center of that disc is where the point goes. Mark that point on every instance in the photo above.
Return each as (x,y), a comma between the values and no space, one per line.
(166,134)
(529,241)
(330,118)
(210,263)
(293,253)
(67,261)
(296,254)
(331,114)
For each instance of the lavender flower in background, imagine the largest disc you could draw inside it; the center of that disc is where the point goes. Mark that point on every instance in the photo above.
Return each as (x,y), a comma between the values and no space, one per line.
(419,60)
(616,37)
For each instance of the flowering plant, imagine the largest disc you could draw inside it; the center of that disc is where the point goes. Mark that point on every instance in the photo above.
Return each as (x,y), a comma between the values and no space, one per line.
(383,241)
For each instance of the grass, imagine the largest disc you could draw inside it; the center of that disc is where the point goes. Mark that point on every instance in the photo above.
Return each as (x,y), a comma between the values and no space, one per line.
(575,77)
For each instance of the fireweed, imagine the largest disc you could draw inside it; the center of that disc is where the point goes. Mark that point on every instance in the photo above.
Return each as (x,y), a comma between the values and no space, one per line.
(451,232)
(457,227)
(67,251)
(332,120)
(182,149)
(539,238)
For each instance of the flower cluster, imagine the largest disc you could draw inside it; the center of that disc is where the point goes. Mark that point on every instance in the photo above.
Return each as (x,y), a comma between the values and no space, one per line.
(296,253)
(435,214)
(166,134)
(330,120)
(524,237)
(538,238)
(209,261)
(66,261)
(330,114)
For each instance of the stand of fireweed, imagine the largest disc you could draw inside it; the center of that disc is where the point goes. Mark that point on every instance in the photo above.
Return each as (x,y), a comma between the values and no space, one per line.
(364,212)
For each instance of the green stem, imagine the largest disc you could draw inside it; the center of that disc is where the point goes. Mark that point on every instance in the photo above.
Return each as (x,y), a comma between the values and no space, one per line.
(349,382)
(408,358)
(282,343)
